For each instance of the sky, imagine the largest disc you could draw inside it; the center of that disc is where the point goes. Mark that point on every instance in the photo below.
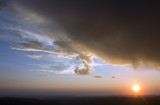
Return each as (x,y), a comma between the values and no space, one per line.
(79,47)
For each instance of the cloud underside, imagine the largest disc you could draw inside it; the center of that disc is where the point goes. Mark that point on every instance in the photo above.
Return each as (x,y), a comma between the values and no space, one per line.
(116,32)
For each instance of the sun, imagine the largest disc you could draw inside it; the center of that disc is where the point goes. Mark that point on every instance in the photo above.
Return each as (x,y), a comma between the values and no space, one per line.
(136,88)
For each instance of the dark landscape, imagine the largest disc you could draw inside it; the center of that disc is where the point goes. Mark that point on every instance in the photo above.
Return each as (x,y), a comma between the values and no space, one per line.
(115,100)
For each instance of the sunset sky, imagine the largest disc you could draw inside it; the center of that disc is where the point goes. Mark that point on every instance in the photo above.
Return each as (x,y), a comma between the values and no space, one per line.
(79,47)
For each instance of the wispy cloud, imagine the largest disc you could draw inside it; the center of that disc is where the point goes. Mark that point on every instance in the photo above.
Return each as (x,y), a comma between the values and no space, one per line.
(57,68)
(35,56)
(56,71)
(64,51)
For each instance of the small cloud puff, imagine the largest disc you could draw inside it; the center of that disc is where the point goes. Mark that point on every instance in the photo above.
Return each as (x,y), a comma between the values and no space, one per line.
(97,76)
(113,77)
(42,75)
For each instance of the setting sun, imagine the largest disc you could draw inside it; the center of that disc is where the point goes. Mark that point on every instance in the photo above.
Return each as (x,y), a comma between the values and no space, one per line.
(136,88)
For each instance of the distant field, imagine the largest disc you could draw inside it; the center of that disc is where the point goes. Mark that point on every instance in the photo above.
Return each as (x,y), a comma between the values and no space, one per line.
(143,100)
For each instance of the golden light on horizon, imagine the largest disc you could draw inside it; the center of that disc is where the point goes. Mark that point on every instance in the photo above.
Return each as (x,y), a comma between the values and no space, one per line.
(136,88)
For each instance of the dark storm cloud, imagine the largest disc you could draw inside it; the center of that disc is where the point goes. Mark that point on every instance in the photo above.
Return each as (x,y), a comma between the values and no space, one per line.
(3,3)
(119,32)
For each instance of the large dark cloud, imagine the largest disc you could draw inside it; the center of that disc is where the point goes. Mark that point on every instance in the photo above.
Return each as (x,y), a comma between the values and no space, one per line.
(3,3)
(119,32)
